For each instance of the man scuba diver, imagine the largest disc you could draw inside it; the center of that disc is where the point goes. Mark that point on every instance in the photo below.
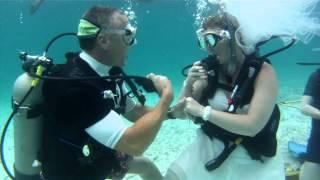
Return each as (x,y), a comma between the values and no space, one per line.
(82,135)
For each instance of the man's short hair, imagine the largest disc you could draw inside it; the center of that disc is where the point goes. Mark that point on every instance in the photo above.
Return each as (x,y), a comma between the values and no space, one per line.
(100,16)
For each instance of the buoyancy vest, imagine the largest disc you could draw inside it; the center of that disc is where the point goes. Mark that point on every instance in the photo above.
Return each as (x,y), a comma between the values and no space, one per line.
(262,144)
(70,107)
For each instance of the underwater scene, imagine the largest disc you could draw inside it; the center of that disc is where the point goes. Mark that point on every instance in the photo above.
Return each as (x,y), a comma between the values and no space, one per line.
(166,43)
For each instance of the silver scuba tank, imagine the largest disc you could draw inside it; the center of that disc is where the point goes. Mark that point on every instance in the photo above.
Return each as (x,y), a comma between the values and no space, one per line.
(27,128)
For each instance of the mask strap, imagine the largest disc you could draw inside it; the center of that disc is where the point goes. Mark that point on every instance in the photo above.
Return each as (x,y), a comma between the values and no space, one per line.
(87,29)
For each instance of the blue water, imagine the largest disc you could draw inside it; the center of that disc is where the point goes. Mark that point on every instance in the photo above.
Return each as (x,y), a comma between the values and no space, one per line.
(166,42)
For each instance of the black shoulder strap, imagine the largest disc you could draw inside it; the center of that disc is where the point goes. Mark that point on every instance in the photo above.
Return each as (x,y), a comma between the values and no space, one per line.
(248,73)
(138,94)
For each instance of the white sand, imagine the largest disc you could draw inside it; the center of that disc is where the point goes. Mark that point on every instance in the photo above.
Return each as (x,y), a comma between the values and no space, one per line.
(175,135)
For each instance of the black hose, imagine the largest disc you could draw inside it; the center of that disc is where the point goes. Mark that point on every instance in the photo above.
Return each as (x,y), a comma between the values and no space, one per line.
(146,83)
(184,73)
(57,37)
(308,63)
(279,50)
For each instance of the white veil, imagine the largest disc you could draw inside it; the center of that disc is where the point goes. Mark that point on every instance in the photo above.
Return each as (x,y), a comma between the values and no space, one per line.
(261,19)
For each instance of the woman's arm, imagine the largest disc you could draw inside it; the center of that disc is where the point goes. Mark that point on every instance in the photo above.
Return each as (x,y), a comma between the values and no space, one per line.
(192,86)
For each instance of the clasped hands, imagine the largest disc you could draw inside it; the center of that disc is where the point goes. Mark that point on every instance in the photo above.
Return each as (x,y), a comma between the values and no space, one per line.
(188,108)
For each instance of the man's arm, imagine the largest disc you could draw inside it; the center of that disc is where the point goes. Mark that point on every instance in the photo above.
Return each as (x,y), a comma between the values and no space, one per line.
(137,112)
(137,138)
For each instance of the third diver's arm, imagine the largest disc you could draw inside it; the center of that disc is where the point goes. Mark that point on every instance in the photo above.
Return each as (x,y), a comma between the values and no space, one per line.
(308,109)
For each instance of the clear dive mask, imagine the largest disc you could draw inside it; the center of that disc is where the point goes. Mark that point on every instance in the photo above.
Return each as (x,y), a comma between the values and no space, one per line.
(210,39)
(128,34)
(87,29)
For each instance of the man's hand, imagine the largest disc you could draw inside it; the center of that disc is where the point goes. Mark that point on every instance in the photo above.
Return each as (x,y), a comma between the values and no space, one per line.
(162,84)
(178,110)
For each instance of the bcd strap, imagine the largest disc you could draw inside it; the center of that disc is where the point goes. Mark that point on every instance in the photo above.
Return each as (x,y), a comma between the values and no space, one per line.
(245,80)
(32,112)
(118,71)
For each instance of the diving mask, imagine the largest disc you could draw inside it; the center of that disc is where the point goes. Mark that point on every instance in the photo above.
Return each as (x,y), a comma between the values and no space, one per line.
(210,39)
(128,33)
(87,29)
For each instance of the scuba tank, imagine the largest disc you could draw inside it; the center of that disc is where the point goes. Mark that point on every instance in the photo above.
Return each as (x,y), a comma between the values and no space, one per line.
(27,101)
(27,128)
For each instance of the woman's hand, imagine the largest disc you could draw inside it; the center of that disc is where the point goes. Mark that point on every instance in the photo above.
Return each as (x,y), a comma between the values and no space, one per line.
(196,72)
(193,108)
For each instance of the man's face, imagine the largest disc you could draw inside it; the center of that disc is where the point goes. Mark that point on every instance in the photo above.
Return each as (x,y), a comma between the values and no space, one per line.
(118,48)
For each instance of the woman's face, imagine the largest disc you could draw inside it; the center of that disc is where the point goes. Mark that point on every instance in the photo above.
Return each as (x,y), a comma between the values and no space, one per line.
(216,42)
